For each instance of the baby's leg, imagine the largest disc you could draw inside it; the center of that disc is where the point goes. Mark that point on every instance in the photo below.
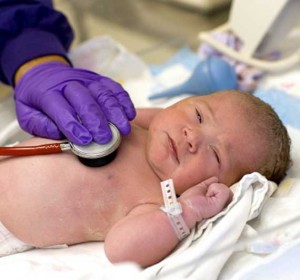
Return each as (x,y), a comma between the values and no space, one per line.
(9,244)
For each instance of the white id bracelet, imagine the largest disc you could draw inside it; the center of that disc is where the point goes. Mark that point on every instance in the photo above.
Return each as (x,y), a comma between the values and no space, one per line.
(173,209)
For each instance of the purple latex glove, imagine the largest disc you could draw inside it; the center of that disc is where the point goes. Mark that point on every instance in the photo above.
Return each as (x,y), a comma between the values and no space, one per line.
(54,100)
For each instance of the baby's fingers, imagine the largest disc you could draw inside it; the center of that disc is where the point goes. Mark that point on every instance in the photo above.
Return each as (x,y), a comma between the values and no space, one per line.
(220,194)
(214,201)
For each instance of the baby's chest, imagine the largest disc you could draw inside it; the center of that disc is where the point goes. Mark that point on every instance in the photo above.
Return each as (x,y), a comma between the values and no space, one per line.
(134,188)
(124,185)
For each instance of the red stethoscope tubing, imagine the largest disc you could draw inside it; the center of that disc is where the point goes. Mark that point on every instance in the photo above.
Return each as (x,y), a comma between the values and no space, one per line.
(31,150)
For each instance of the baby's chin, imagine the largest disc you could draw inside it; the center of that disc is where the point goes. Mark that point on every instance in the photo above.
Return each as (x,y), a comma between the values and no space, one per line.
(160,167)
(161,173)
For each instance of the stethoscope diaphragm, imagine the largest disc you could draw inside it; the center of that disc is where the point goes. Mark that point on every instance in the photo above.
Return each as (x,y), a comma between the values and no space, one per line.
(96,155)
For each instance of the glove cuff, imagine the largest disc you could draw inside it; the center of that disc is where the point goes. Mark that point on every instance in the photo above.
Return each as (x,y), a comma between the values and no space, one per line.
(30,44)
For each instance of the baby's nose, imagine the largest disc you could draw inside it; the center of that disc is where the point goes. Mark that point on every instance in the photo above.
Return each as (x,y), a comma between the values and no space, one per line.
(192,138)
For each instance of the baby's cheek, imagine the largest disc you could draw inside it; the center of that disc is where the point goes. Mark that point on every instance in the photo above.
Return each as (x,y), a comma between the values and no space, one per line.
(201,173)
(162,167)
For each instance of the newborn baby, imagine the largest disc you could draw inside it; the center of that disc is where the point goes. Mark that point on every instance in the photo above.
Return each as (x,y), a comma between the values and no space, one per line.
(199,143)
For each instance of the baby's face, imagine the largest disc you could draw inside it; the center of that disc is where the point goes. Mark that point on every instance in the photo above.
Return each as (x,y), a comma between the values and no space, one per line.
(201,137)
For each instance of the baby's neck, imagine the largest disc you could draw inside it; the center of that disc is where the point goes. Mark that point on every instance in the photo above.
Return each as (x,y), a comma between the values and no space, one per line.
(136,143)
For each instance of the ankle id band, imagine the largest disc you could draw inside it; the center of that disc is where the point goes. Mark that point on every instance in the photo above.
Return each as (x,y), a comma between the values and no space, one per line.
(173,209)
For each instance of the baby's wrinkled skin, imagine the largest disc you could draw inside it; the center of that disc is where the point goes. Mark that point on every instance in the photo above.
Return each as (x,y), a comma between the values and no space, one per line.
(54,199)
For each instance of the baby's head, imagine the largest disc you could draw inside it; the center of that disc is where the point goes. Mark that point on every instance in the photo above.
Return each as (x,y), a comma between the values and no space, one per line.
(226,134)
(265,123)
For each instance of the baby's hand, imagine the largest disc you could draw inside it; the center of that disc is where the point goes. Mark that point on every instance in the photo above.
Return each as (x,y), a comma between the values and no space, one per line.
(204,200)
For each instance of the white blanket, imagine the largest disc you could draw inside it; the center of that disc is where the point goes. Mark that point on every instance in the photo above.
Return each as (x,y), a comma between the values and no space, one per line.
(205,252)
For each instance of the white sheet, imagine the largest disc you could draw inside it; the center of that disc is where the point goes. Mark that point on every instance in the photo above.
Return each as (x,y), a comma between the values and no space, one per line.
(87,261)
(209,247)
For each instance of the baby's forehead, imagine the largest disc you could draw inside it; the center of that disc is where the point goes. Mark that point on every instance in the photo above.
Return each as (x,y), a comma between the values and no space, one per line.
(224,96)
(215,95)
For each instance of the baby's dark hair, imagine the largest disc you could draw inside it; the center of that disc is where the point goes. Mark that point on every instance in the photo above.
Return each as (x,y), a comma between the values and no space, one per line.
(267,125)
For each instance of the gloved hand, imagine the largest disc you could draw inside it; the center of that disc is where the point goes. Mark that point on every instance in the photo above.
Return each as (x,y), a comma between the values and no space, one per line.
(54,100)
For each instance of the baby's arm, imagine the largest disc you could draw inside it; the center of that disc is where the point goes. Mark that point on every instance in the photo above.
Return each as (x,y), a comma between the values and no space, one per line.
(146,235)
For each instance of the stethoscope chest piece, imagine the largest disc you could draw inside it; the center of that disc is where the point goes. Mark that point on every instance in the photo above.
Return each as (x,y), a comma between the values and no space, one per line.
(93,155)
(96,155)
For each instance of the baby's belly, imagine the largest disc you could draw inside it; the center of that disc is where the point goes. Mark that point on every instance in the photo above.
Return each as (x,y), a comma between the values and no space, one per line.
(55,219)
(53,207)
(54,199)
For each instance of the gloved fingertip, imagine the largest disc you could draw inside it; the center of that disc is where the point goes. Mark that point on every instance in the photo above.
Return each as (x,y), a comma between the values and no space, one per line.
(57,135)
(77,133)
(80,139)
(131,114)
(85,140)
(126,129)
(51,132)
(103,137)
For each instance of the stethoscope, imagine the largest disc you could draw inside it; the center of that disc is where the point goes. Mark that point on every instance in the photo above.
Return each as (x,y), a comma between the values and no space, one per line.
(93,155)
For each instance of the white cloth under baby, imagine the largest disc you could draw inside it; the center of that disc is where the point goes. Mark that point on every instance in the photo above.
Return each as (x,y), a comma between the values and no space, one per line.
(9,244)
(215,239)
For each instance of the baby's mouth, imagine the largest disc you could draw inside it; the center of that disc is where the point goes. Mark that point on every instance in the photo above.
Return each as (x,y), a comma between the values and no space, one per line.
(173,148)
